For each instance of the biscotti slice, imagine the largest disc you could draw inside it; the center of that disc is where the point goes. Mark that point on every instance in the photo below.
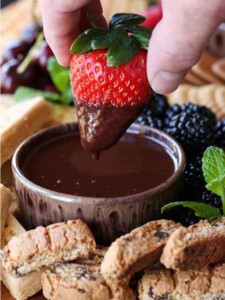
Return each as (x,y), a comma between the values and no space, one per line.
(134,251)
(45,246)
(81,282)
(202,284)
(196,246)
(19,122)
(21,288)
(5,201)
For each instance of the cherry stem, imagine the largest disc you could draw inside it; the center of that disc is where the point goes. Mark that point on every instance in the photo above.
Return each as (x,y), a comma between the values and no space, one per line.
(25,63)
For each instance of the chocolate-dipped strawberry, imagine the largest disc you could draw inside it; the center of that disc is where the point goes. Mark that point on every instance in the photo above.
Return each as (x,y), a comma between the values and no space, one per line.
(109,80)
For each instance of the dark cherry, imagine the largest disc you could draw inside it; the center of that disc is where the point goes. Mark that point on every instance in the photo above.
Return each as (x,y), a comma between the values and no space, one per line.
(49,87)
(42,54)
(11,79)
(31,31)
(16,49)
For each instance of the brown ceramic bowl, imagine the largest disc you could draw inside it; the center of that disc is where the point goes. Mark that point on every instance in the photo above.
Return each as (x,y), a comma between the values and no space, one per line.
(108,218)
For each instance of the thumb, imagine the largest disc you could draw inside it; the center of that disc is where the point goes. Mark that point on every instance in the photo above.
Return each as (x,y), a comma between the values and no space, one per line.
(179,39)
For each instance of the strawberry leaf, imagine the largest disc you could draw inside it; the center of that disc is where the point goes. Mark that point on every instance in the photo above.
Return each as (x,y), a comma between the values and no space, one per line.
(143,40)
(123,19)
(201,210)
(83,43)
(123,51)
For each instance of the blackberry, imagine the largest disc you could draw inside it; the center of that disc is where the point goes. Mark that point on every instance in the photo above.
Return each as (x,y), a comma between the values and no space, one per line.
(158,105)
(188,217)
(211,199)
(194,182)
(147,119)
(194,131)
(189,108)
(220,133)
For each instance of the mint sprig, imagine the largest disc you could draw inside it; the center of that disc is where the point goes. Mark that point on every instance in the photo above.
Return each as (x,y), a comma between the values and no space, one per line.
(202,210)
(213,166)
(214,171)
(123,38)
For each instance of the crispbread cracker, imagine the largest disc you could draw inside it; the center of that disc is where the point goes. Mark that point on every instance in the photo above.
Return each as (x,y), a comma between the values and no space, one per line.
(219,68)
(24,287)
(5,200)
(20,121)
(203,68)
(179,96)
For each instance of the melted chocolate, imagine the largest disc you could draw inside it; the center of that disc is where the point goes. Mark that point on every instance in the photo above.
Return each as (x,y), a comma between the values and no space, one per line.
(135,164)
(102,125)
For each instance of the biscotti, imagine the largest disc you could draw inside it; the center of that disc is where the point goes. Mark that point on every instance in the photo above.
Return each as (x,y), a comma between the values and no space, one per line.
(5,201)
(46,246)
(138,249)
(207,283)
(21,288)
(82,282)
(196,246)
(19,122)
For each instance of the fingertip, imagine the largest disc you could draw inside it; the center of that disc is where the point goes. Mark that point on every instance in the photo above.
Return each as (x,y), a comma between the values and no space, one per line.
(166,82)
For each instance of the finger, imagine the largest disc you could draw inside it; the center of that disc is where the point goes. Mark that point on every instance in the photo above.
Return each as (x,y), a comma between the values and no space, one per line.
(61,20)
(179,40)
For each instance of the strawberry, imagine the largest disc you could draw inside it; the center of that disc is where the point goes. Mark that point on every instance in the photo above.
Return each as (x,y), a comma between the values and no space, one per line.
(96,82)
(109,80)
(153,15)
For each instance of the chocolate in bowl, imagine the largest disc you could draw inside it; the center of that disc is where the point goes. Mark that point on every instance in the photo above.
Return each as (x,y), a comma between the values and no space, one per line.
(108,213)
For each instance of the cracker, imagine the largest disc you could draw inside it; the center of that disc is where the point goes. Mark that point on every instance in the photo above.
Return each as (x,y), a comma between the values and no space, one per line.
(179,96)
(203,68)
(193,95)
(220,102)
(206,96)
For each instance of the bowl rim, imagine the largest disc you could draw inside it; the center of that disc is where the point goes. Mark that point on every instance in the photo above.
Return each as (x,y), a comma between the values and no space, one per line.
(63,197)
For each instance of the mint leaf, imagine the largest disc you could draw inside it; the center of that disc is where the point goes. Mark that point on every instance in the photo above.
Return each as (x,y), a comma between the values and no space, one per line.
(59,75)
(214,171)
(201,210)
(24,93)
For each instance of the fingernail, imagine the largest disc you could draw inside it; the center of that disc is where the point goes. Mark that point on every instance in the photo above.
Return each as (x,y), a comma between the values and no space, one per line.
(166,82)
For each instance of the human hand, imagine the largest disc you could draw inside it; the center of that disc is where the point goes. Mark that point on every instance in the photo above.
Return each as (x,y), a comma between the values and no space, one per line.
(64,20)
(179,39)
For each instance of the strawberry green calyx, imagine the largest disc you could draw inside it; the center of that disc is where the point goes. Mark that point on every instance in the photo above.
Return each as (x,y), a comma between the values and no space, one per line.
(123,38)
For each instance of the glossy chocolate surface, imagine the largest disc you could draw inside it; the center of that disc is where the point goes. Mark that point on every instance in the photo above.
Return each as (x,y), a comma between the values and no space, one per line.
(101,126)
(135,164)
